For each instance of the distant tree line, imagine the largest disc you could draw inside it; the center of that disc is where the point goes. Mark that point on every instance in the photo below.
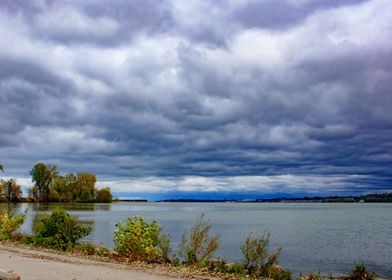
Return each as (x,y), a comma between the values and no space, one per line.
(50,186)
(368,198)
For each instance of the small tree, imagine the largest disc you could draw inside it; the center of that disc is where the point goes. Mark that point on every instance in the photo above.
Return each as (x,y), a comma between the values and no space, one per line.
(198,245)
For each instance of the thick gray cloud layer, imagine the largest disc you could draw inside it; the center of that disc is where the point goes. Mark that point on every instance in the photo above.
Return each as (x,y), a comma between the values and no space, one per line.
(270,96)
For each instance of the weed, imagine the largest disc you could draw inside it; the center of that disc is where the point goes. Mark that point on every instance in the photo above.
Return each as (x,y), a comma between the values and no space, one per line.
(258,261)
(198,244)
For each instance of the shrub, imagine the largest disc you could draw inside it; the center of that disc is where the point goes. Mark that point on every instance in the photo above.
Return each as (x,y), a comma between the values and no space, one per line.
(198,245)
(257,259)
(235,268)
(59,230)
(165,246)
(10,223)
(360,273)
(140,240)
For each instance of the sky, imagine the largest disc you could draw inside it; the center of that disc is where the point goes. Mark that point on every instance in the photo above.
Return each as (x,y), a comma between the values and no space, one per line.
(200,99)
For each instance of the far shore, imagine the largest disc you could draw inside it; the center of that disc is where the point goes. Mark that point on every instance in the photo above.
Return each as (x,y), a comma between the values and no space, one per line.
(368,198)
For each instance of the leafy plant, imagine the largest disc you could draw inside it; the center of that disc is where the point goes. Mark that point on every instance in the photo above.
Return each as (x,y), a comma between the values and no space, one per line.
(140,240)
(10,223)
(164,246)
(198,245)
(60,230)
(259,261)
(360,273)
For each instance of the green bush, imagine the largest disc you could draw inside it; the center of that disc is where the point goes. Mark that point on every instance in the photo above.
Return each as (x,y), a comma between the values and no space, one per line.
(10,223)
(59,230)
(198,245)
(140,240)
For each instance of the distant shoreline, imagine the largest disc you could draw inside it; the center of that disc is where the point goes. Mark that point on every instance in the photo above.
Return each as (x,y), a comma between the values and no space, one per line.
(370,198)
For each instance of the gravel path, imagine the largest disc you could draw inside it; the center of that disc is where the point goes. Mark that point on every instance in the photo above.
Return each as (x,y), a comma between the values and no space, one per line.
(30,264)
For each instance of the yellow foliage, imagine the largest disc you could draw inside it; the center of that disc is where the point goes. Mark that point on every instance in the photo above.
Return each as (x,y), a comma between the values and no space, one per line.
(9,224)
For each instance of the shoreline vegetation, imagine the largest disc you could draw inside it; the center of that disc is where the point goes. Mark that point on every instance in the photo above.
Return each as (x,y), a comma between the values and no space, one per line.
(51,186)
(138,242)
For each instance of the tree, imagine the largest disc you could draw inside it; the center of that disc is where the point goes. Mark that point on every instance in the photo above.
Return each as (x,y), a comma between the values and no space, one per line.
(10,191)
(104,195)
(32,193)
(42,176)
(84,188)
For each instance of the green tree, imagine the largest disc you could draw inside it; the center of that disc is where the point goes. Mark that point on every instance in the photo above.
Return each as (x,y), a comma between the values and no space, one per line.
(104,195)
(66,193)
(57,190)
(85,187)
(42,177)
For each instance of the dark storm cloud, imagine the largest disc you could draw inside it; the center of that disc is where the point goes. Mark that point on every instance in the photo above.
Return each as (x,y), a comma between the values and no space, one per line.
(194,96)
(278,14)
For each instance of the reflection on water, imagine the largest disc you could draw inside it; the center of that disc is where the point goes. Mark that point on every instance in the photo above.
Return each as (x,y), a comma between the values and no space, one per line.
(326,237)
(70,206)
(10,208)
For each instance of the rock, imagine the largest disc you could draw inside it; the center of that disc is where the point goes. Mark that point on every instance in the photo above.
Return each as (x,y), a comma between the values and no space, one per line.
(8,275)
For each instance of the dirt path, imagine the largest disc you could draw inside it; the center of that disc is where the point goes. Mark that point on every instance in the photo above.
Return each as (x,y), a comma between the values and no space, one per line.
(30,264)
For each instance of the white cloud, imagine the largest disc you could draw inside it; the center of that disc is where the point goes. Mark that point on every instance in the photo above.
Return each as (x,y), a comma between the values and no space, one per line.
(263,185)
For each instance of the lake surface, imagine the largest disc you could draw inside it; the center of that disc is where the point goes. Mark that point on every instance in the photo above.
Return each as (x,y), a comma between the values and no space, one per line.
(330,238)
